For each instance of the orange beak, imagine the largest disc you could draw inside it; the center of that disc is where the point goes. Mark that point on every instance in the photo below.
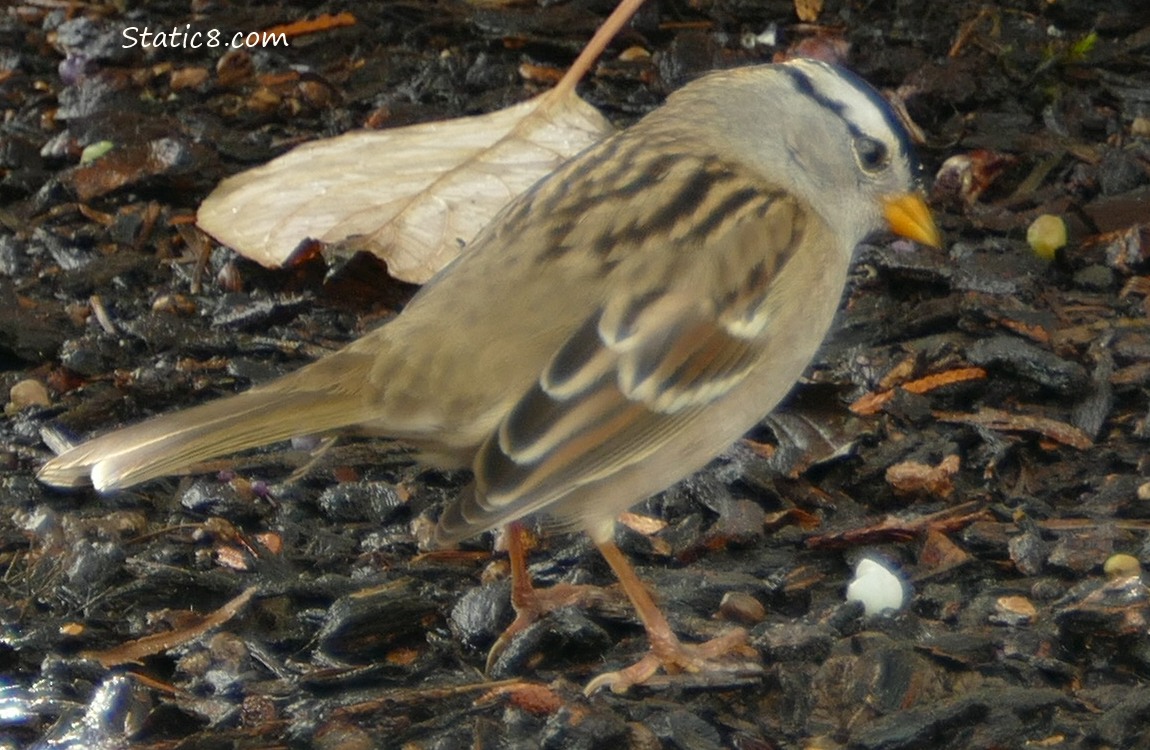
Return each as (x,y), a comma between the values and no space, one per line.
(908,216)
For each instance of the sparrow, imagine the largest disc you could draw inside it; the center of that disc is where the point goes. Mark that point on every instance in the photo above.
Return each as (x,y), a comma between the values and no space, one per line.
(611,331)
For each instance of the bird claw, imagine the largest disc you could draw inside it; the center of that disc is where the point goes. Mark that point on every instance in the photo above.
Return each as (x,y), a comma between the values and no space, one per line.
(532,604)
(723,660)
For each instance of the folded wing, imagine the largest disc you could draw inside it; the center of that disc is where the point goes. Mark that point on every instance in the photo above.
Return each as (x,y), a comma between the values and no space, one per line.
(639,371)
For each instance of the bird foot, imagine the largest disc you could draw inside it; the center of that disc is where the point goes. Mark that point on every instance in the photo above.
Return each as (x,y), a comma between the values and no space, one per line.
(728,659)
(532,604)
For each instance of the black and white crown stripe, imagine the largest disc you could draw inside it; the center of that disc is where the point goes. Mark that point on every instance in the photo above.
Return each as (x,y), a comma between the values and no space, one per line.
(843,86)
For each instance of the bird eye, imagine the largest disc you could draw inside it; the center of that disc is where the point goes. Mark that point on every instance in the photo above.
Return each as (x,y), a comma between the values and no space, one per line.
(871,153)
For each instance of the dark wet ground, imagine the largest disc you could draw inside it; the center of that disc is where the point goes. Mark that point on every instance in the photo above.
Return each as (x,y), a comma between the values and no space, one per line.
(979,419)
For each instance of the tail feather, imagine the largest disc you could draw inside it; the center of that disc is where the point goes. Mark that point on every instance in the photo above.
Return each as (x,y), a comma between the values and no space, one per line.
(173,442)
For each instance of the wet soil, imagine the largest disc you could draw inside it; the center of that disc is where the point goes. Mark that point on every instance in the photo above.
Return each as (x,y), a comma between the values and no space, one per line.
(978,420)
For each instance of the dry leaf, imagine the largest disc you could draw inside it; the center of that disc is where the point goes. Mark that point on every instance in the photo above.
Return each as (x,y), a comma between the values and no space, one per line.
(412,196)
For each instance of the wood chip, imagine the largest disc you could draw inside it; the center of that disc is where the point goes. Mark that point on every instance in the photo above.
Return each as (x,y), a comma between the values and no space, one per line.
(914,478)
(322,22)
(873,403)
(997,419)
(808,10)
(133,651)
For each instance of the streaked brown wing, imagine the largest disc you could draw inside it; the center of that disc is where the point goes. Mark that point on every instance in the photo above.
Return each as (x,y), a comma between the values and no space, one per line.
(636,373)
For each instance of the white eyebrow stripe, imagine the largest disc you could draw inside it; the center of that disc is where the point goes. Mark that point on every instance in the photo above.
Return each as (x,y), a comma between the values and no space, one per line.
(861,108)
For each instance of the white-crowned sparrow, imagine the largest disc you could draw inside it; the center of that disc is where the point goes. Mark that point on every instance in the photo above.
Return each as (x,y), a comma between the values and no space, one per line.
(612,330)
